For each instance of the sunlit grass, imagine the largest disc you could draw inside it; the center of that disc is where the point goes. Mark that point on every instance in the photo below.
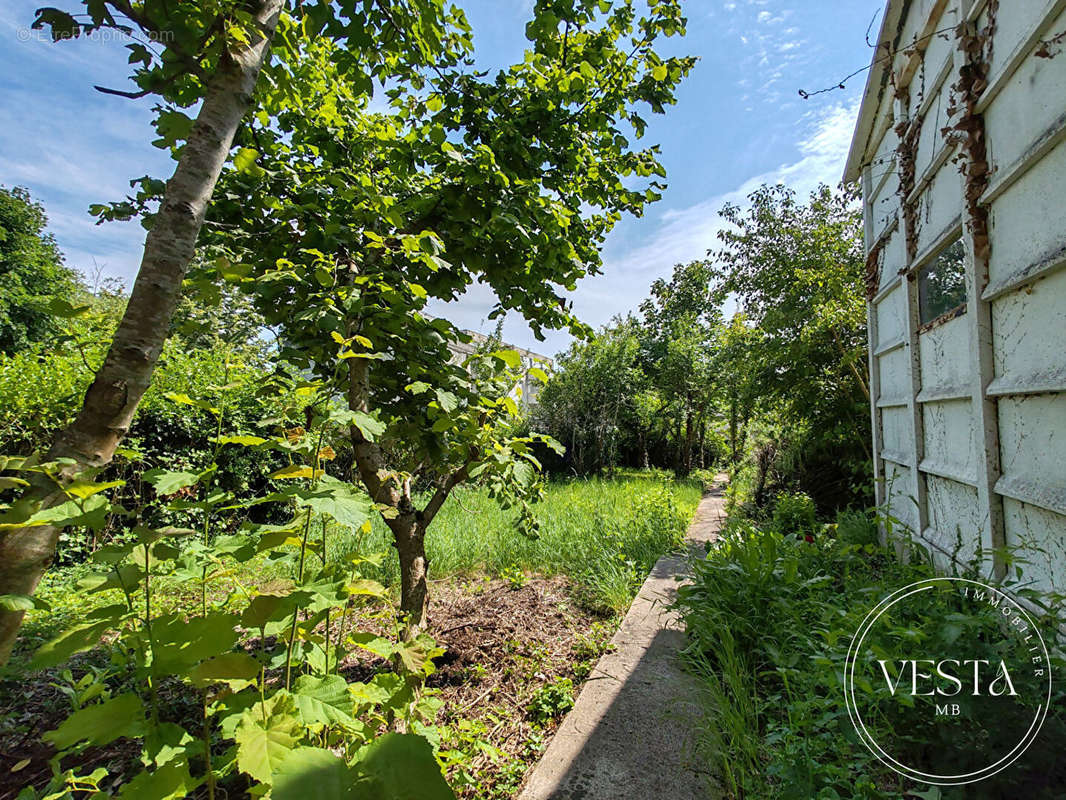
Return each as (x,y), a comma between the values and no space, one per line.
(605,533)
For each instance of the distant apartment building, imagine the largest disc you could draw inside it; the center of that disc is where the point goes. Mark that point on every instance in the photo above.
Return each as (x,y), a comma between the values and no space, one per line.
(525,391)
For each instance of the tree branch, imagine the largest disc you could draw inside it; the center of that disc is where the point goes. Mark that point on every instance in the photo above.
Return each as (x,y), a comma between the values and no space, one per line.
(427,514)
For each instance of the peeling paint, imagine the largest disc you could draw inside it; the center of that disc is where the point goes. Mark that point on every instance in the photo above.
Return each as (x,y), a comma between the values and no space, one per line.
(969,131)
(873,268)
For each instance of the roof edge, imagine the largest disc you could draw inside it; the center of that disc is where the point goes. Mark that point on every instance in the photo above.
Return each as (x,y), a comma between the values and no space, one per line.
(873,93)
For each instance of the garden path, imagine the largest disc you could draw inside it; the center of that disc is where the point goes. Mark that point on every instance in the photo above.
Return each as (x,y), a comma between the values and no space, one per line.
(631,734)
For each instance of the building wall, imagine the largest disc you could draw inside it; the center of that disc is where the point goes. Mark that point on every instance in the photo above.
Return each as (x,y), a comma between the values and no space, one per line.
(969,420)
(525,391)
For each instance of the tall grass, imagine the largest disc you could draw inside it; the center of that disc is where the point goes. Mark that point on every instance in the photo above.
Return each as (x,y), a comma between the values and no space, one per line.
(606,534)
(770,616)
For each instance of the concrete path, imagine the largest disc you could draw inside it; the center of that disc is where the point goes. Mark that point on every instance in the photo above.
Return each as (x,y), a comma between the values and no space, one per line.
(630,735)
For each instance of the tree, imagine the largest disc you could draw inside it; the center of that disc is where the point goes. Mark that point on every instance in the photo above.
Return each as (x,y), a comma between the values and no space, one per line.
(680,321)
(593,401)
(348,221)
(796,270)
(32,273)
(190,52)
(737,386)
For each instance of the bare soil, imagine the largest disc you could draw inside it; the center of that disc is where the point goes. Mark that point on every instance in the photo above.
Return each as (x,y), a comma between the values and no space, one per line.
(505,641)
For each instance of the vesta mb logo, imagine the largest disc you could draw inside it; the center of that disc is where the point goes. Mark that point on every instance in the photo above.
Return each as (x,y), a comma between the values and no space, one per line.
(944,679)
(948,697)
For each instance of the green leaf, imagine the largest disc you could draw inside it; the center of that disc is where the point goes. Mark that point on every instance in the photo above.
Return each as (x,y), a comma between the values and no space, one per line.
(262,745)
(367,588)
(381,688)
(294,471)
(22,602)
(324,701)
(509,357)
(337,499)
(90,513)
(101,723)
(181,643)
(244,441)
(312,772)
(184,399)
(59,307)
(367,425)
(245,158)
(402,767)
(168,742)
(170,481)
(524,473)
(418,387)
(84,489)
(265,608)
(172,780)
(125,578)
(63,25)
(448,401)
(237,670)
(11,483)
(371,642)
(70,642)
(417,655)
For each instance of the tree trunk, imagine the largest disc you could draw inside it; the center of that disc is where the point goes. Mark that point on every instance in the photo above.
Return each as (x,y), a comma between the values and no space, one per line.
(409,525)
(703,442)
(678,443)
(112,398)
(685,459)
(734,455)
(414,571)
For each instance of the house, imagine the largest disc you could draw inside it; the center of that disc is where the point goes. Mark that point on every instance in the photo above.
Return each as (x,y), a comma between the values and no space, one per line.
(960,148)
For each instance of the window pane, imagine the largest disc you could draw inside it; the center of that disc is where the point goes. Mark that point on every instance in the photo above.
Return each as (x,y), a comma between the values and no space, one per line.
(942,283)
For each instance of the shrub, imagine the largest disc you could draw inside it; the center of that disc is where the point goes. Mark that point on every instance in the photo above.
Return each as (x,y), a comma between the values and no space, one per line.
(794,513)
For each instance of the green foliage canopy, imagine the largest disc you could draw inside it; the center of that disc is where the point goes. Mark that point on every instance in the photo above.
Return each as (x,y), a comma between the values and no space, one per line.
(32,273)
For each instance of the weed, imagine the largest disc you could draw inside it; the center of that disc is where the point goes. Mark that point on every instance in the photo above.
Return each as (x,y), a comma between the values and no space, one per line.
(514,576)
(589,646)
(551,701)
(770,618)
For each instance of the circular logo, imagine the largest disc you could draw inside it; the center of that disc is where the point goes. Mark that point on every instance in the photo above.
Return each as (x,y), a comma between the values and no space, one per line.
(947,681)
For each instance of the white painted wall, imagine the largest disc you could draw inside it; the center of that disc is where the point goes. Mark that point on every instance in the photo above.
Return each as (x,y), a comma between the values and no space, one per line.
(969,421)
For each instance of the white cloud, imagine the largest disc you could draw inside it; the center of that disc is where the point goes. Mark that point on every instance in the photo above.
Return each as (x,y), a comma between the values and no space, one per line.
(688,233)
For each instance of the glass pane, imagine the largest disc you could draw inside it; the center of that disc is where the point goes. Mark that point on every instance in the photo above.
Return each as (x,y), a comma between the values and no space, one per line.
(942,283)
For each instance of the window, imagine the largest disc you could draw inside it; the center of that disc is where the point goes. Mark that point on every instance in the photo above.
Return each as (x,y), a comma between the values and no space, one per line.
(942,283)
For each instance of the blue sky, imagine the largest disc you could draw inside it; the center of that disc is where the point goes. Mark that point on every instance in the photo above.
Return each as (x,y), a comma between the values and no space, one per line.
(739,122)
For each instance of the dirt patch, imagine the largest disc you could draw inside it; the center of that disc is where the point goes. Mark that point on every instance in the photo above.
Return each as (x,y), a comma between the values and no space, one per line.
(509,643)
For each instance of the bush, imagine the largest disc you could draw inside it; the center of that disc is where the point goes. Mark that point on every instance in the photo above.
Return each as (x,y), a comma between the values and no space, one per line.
(794,513)
(41,390)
